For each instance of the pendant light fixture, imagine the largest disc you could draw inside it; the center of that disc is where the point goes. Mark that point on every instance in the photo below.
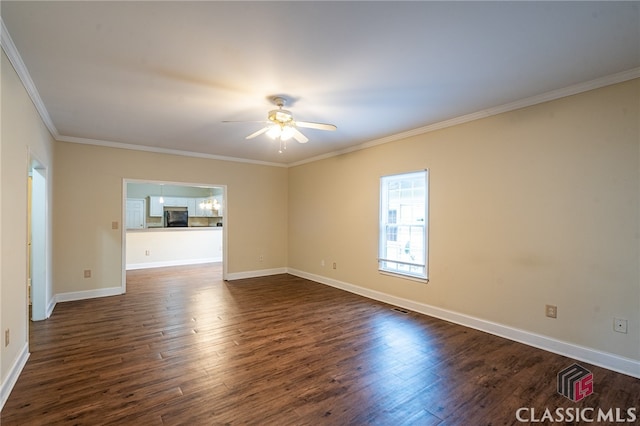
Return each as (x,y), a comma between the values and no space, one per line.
(211,203)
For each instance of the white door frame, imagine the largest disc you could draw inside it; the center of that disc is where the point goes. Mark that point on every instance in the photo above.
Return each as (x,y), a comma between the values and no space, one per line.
(39,231)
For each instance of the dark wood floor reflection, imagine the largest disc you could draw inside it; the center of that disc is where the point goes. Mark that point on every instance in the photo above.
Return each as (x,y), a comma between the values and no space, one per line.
(184,347)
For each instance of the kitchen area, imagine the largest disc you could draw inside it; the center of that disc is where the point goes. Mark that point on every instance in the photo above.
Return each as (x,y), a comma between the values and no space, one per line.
(172,224)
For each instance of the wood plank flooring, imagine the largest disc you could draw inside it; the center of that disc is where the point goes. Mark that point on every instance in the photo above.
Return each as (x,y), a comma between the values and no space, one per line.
(182,347)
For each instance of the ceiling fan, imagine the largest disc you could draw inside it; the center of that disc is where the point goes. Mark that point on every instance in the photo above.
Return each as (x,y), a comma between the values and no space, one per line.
(282,126)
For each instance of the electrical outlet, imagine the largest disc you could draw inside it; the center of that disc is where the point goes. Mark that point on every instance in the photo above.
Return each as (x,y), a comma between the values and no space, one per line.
(114,225)
(261,258)
(335,266)
(147,252)
(551,311)
(87,273)
(7,337)
(620,325)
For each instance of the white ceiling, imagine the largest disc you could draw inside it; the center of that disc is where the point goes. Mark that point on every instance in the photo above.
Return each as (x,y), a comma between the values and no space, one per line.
(164,75)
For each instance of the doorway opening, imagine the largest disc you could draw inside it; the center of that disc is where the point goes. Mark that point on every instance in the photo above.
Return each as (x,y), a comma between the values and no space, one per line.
(173,224)
(37,288)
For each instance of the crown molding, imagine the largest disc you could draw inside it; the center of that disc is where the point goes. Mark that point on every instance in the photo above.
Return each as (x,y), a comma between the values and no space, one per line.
(157,150)
(16,60)
(21,69)
(512,106)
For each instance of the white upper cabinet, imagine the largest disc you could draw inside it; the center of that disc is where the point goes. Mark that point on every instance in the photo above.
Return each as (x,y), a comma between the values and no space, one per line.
(195,206)
(155,207)
(191,206)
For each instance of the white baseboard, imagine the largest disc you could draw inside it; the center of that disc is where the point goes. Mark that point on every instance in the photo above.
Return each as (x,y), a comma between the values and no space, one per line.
(162,264)
(51,306)
(606,360)
(14,373)
(88,294)
(254,274)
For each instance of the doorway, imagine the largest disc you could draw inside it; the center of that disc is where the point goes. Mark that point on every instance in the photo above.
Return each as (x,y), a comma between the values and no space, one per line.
(135,216)
(145,244)
(37,254)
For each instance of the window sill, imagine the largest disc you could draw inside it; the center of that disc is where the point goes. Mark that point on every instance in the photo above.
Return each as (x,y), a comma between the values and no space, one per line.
(406,277)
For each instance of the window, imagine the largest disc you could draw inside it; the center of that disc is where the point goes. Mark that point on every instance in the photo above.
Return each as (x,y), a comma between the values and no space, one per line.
(403,247)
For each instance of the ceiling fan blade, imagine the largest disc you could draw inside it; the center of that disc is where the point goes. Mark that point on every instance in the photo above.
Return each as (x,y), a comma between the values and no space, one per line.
(319,126)
(299,136)
(258,133)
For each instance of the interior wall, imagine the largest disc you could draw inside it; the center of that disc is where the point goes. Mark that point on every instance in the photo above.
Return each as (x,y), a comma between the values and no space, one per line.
(143,190)
(23,135)
(88,191)
(532,207)
(2,369)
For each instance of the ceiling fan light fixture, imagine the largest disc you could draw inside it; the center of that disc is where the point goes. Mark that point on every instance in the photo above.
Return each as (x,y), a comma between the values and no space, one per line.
(274,131)
(281,116)
(281,126)
(287,133)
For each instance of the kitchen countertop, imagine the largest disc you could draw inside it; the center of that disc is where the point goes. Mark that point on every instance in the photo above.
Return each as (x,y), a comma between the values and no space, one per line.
(177,228)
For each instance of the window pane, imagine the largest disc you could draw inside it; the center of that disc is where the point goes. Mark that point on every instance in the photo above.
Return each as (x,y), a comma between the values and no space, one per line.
(403,224)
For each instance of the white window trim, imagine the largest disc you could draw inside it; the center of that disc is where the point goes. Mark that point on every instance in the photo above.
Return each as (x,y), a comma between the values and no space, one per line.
(406,275)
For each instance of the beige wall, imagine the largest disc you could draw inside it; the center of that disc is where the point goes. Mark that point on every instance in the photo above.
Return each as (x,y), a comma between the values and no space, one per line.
(3,372)
(532,207)
(88,188)
(24,137)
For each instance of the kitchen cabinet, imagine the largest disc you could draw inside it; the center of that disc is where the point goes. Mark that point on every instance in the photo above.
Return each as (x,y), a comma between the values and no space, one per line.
(156,209)
(175,202)
(191,206)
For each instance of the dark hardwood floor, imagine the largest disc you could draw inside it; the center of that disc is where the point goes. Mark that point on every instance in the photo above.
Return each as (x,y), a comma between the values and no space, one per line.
(184,347)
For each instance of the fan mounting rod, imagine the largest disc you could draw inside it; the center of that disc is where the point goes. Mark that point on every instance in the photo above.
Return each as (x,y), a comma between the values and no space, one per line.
(279,101)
